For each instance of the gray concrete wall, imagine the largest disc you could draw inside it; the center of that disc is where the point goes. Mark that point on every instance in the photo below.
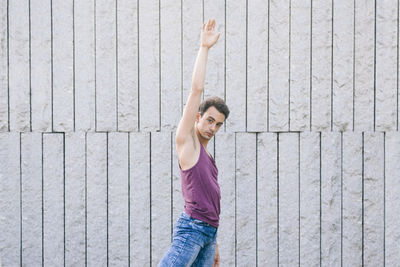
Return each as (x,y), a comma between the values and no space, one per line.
(91,93)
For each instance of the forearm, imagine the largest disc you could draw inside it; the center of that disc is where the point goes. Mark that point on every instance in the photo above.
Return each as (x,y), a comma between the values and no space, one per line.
(199,71)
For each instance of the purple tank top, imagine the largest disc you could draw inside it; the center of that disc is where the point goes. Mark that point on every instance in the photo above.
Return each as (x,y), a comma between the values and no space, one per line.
(201,191)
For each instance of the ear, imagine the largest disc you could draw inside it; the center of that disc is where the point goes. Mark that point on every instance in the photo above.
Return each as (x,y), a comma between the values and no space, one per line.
(197,116)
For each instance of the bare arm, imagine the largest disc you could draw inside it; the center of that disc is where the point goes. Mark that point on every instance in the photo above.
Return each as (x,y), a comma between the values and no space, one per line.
(186,124)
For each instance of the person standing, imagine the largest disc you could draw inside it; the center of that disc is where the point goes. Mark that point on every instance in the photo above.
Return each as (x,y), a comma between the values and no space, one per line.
(194,239)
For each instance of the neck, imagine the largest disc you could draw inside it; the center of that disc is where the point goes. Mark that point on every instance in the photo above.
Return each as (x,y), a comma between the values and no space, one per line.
(202,140)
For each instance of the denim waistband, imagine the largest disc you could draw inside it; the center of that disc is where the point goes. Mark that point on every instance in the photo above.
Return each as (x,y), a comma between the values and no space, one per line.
(186,216)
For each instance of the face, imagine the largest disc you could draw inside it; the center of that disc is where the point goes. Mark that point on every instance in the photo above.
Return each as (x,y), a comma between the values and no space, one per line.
(209,124)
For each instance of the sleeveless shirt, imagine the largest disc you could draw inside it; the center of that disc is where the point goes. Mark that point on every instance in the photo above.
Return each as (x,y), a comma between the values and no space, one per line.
(201,191)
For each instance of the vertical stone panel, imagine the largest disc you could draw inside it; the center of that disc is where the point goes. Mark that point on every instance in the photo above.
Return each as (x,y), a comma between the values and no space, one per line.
(257,65)
(225,160)
(84,50)
(386,65)
(288,199)
(127,48)
(106,76)
(278,79)
(310,199)
(53,199)
(177,199)
(96,232)
(31,171)
(149,65)
(373,199)
(392,195)
(3,67)
(364,44)
(214,84)
(18,68)
(140,199)
(118,199)
(267,199)
(75,197)
(235,41)
(245,198)
(160,195)
(171,74)
(10,199)
(352,199)
(300,65)
(192,22)
(330,198)
(41,70)
(62,52)
(321,65)
(343,43)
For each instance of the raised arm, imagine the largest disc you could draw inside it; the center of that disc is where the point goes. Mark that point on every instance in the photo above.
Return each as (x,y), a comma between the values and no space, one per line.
(186,125)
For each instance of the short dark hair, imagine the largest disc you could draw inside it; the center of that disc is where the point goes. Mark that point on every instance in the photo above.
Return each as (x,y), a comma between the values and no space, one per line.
(216,102)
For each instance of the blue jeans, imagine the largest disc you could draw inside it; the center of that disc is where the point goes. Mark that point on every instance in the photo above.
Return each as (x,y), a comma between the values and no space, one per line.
(193,244)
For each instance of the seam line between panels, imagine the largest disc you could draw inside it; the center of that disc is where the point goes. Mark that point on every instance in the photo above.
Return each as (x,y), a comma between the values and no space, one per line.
(8,62)
(277,183)
(320,198)
(384,198)
(150,180)
(289,63)
(129,199)
(311,58)
(116,64)
(332,59)
(95,67)
(42,203)
(20,196)
(30,68)
(64,234)
(362,202)
(73,65)
(138,59)
(86,199)
(52,66)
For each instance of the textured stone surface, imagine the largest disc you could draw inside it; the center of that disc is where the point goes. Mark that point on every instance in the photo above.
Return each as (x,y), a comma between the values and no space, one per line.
(257,66)
(161,180)
(235,41)
(288,199)
(214,84)
(352,199)
(330,198)
(225,160)
(373,199)
(106,83)
(149,65)
(300,67)
(343,49)
(321,65)
(128,109)
(278,79)
(118,223)
(140,219)
(10,199)
(246,191)
(53,199)
(267,200)
(177,199)
(31,171)
(386,65)
(171,68)
(3,68)
(392,199)
(75,198)
(192,18)
(364,66)
(18,20)
(96,206)
(62,68)
(84,65)
(41,66)
(310,199)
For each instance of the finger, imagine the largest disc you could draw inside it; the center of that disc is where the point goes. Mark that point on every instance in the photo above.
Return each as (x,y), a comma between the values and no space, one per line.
(217,37)
(204,26)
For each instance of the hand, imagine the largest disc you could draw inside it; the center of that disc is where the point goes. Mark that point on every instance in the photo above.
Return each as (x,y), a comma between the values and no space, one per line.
(216,258)
(208,38)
